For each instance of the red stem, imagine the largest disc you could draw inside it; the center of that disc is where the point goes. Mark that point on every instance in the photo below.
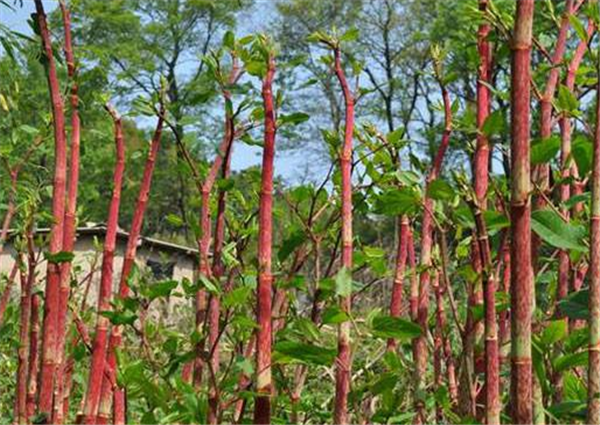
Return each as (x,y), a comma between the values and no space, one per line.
(128,263)
(27,282)
(50,334)
(427,227)
(593,407)
(262,411)
(70,223)
(520,211)
(397,289)
(93,393)
(344,360)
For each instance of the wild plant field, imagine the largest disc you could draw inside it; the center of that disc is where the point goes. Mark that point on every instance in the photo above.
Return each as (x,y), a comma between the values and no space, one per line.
(392,209)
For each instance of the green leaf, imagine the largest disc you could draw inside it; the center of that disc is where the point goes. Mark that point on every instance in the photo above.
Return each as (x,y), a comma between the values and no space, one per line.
(396,202)
(566,100)
(494,124)
(394,327)
(206,283)
(575,306)
(59,257)
(495,220)
(384,382)
(553,230)
(334,315)
(568,409)
(574,200)
(578,27)
(120,318)
(350,35)
(237,297)
(256,68)
(570,360)
(29,129)
(229,40)
(542,151)
(161,289)
(290,244)
(395,136)
(555,331)
(174,220)
(343,282)
(293,119)
(305,353)
(582,152)
(439,190)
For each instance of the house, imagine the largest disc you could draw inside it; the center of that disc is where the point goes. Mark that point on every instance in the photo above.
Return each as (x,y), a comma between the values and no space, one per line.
(159,259)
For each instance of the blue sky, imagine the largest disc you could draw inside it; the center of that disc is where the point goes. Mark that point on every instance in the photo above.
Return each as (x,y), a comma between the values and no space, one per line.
(290,165)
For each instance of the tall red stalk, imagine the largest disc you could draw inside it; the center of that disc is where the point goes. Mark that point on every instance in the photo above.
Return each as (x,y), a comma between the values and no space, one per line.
(214,304)
(398,286)
(23,368)
(205,226)
(543,171)
(593,406)
(427,228)
(438,343)
(49,354)
(344,357)
(480,177)
(262,409)
(520,211)
(33,352)
(70,223)
(492,367)
(116,335)
(92,397)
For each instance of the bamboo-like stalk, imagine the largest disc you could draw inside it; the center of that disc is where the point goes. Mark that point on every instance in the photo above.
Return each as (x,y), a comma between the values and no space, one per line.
(438,343)
(218,271)
(70,223)
(49,353)
(593,409)
(520,211)
(27,276)
(492,367)
(427,228)
(344,356)
(99,348)
(475,328)
(128,263)
(206,189)
(33,351)
(262,410)
(398,285)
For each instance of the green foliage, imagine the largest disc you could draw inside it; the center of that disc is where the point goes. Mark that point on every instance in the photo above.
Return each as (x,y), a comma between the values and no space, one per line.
(555,231)
(394,327)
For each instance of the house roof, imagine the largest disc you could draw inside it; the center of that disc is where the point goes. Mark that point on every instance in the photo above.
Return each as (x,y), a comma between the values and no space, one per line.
(100,230)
